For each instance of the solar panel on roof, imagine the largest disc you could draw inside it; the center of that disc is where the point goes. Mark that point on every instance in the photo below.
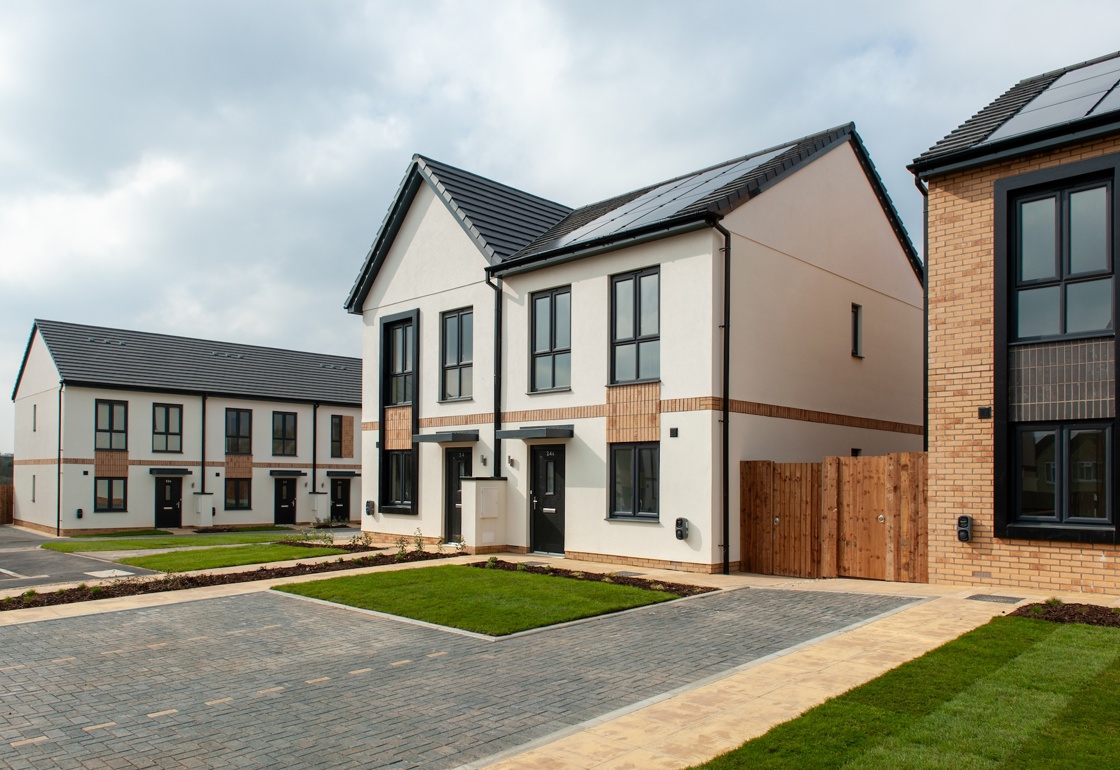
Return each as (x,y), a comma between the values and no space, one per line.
(1071,97)
(668,199)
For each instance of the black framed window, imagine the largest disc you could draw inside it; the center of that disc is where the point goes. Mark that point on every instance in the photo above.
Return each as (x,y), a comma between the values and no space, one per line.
(284,434)
(398,478)
(336,435)
(1062,262)
(239,431)
(401,340)
(635,480)
(239,494)
(167,428)
(1062,473)
(551,340)
(458,353)
(111,430)
(110,494)
(636,326)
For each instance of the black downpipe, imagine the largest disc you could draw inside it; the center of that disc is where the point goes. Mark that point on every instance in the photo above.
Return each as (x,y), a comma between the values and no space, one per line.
(726,400)
(925,311)
(497,373)
(202,470)
(314,447)
(58,468)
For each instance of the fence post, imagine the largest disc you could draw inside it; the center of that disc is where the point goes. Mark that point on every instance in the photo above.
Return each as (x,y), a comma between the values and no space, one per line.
(830,510)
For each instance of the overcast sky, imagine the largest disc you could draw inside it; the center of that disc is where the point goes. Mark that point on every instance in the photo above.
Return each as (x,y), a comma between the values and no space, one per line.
(219,169)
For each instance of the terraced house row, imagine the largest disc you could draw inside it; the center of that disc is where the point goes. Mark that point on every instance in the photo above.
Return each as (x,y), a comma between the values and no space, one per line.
(120,430)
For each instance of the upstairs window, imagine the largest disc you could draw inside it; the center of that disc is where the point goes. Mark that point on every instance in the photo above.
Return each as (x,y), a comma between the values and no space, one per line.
(239,432)
(336,435)
(551,340)
(458,352)
(167,428)
(284,434)
(1062,246)
(636,326)
(112,425)
(401,341)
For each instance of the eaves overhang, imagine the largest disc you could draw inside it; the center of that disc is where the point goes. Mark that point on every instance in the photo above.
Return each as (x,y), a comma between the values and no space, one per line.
(1016,146)
(446,437)
(539,431)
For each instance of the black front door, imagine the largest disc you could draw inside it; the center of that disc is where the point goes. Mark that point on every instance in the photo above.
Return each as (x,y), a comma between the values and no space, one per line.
(169,502)
(340,500)
(546,498)
(285,501)
(458,466)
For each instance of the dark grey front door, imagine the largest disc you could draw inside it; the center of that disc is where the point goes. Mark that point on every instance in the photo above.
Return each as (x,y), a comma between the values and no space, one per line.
(169,502)
(340,499)
(458,467)
(546,498)
(285,501)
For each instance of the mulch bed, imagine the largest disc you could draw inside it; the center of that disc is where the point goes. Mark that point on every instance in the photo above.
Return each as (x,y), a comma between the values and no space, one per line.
(137,586)
(1089,614)
(680,589)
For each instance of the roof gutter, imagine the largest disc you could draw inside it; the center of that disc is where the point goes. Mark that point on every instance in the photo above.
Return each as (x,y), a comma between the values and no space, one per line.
(1013,148)
(611,243)
(58,467)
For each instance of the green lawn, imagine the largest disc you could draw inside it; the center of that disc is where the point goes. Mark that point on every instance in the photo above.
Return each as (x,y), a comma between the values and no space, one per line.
(133,533)
(1015,693)
(209,558)
(175,541)
(486,601)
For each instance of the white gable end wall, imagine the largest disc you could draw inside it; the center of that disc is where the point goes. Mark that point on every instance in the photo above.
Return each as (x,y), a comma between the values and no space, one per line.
(36,437)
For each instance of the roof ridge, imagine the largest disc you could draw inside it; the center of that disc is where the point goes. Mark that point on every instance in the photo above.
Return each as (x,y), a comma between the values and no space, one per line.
(426,161)
(73,325)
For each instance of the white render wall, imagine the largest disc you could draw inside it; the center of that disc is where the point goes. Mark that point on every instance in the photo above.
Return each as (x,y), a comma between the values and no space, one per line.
(78,470)
(36,437)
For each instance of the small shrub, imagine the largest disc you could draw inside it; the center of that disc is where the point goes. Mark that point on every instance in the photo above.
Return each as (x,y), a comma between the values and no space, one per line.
(1038,609)
(418,541)
(81,586)
(30,593)
(362,540)
(657,586)
(577,575)
(460,546)
(492,562)
(521,567)
(402,547)
(1054,601)
(95,590)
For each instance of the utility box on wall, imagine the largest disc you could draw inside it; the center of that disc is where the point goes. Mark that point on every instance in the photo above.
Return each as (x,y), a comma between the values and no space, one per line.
(484,502)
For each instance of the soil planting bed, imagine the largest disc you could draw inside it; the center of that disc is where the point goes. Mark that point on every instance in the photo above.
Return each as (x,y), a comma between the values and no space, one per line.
(1090,614)
(137,586)
(680,589)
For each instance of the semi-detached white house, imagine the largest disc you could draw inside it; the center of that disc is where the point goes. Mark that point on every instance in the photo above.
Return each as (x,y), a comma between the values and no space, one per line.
(120,430)
(541,378)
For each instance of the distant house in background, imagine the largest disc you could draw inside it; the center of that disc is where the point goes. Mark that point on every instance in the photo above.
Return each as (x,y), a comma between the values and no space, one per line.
(118,430)
(541,378)
(1022,217)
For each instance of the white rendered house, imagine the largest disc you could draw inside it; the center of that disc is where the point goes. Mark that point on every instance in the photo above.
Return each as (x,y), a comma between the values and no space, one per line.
(540,378)
(120,430)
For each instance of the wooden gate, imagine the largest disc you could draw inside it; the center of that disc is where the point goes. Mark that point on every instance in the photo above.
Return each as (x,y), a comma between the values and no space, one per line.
(859,517)
(6,503)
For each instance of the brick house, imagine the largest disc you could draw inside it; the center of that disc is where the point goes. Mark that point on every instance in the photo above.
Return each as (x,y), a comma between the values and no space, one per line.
(1022,429)
(575,381)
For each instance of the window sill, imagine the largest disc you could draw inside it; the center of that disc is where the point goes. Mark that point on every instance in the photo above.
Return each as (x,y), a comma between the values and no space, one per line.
(110,450)
(1065,533)
(465,399)
(636,519)
(632,382)
(161,451)
(398,509)
(546,391)
(106,510)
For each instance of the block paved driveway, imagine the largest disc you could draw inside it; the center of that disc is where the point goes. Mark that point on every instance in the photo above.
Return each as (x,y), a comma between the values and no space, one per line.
(23,564)
(267,680)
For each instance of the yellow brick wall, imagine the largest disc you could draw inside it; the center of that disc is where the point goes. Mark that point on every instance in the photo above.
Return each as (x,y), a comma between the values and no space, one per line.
(961,360)
(112,464)
(239,466)
(634,413)
(398,427)
(347,436)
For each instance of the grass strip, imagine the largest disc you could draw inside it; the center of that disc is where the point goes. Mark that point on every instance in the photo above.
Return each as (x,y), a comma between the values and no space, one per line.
(856,722)
(175,541)
(491,602)
(131,533)
(211,558)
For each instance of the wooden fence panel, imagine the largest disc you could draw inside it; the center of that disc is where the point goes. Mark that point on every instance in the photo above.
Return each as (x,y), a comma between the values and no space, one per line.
(861,517)
(7,502)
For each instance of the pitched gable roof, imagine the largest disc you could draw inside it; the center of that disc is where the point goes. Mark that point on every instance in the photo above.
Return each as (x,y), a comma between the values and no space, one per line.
(698,198)
(119,358)
(499,219)
(1070,103)
(518,231)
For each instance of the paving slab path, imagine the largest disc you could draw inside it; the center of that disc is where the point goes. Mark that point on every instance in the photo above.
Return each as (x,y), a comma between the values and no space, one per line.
(269,680)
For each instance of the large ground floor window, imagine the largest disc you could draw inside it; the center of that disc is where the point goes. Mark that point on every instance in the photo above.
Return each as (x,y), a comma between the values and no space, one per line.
(398,485)
(110,494)
(1062,473)
(239,494)
(635,480)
